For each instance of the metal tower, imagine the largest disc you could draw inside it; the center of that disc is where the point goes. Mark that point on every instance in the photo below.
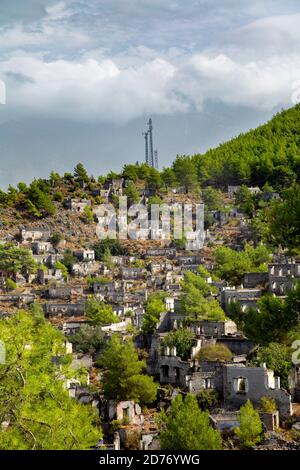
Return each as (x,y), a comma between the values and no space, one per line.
(156,159)
(151,143)
(145,134)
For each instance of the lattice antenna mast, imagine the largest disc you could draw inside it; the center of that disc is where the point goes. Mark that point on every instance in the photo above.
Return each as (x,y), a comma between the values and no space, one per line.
(156,159)
(151,143)
(146,134)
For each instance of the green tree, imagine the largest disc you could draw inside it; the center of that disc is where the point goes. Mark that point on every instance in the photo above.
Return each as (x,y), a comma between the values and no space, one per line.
(63,268)
(132,193)
(251,430)
(269,322)
(10,285)
(169,178)
(68,260)
(186,427)
(107,259)
(292,304)
(154,181)
(81,174)
(268,405)
(56,238)
(212,198)
(39,201)
(33,399)
(54,179)
(154,307)
(183,339)
(246,200)
(207,398)
(123,378)
(196,301)
(231,265)
(283,219)
(88,339)
(113,246)
(130,172)
(14,260)
(99,313)
(186,173)
(88,215)
(278,357)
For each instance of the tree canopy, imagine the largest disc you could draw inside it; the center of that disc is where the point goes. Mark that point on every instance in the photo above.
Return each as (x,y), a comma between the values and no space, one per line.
(183,339)
(186,427)
(154,307)
(271,320)
(34,405)
(251,429)
(231,265)
(196,301)
(123,378)
(99,313)
(14,260)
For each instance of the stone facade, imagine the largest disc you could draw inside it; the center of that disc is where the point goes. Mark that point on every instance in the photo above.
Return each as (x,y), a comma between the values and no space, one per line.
(253,280)
(41,247)
(30,234)
(283,273)
(253,383)
(59,293)
(133,273)
(77,205)
(85,255)
(64,310)
(247,298)
(125,410)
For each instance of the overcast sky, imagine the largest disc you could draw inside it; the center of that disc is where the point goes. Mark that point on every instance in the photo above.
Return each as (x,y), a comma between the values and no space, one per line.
(83,77)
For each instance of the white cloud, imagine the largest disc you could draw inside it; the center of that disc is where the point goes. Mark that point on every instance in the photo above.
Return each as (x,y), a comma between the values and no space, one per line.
(91,90)
(52,30)
(259,84)
(271,34)
(96,60)
(104,91)
(16,36)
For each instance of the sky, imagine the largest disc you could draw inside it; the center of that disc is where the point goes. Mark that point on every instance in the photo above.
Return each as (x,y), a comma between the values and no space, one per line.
(83,77)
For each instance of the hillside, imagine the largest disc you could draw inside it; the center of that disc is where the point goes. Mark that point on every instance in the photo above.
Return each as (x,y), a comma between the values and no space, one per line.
(269,153)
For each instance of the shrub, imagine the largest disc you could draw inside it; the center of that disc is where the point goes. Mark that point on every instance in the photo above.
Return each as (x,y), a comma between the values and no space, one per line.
(10,284)
(207,399)
(215,352)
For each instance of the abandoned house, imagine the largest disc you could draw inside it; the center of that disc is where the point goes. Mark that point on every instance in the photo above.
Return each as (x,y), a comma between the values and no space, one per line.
(246,298)
(253,280)
(85,255)
(30,234)
(41,247)
(64,310)
(77,205)
(283,273)
(133,274)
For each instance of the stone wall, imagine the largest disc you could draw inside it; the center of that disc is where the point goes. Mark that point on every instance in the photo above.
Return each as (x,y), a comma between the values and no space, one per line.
(64,310)
(252,383)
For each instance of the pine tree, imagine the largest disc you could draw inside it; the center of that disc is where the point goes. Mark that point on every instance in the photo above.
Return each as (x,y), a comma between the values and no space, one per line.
(251,429)
(123,378)
(186,427)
